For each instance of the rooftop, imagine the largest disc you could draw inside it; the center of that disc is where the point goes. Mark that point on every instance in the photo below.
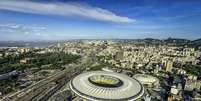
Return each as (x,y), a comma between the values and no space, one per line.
(104,86)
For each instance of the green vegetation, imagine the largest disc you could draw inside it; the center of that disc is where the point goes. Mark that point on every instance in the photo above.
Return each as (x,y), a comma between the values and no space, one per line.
(193,69)
(101,64)
(8,85)
(98,67)
(54,60)
(105,81)
(36,62)
(195,44)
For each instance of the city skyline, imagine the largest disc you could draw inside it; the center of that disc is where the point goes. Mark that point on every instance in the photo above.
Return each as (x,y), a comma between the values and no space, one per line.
(105,19)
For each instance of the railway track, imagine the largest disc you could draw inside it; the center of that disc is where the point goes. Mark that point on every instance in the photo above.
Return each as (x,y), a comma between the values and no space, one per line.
(37,91)
(33,92)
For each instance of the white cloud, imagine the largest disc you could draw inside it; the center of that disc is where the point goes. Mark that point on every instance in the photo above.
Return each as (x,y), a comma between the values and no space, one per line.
(39,34)
(6,30)
(64,9)
(26,33)
(12,26)
(20,28)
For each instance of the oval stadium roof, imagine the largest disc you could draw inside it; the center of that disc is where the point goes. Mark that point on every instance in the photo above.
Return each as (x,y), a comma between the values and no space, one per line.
(106,86)
(146,79)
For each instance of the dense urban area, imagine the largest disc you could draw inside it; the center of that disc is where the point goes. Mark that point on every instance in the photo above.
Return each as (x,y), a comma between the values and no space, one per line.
(168,69)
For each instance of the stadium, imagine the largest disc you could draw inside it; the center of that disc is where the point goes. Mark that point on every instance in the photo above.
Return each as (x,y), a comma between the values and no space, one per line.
(106,86)
(147,80)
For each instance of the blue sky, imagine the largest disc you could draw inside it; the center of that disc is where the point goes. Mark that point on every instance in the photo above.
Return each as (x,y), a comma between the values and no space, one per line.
(99,19)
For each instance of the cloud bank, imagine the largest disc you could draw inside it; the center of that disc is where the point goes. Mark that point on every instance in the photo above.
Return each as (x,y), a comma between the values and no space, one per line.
(64,9)
(23,29)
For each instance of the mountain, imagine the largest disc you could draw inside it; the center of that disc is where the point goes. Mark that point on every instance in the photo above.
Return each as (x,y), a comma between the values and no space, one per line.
(195,43)
(176,40)
(198,41)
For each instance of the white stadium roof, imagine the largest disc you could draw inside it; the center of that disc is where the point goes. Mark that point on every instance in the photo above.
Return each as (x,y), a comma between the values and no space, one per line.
(104,86)
(146,79)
